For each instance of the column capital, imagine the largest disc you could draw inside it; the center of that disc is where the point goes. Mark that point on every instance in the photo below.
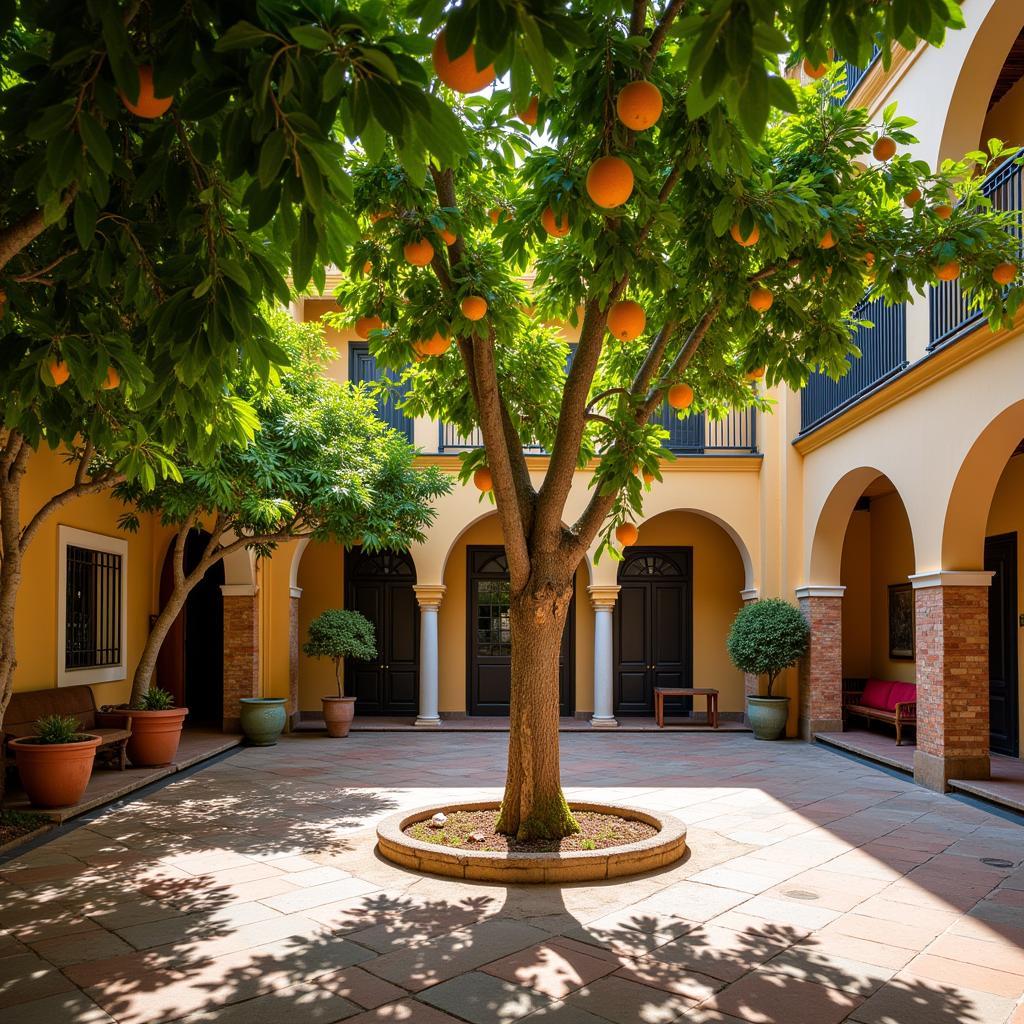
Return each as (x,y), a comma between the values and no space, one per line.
(295,592)
(429,595)
(951,578)
(239,589)
(815,591)
(603,596)
(750,594)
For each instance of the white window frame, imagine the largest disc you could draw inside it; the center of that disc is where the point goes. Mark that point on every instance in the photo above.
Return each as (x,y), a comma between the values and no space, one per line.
(69,535)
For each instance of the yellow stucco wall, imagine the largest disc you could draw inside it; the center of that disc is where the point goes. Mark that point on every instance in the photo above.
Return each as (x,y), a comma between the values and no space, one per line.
(321,576)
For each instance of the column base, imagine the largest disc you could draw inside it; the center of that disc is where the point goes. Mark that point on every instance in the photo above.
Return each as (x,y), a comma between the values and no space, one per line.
(603,723)
(934,772)
(807,727)
(428,723)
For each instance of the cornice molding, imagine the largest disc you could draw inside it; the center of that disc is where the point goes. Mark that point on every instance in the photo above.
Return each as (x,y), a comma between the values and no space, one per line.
(429,595)
(681,464)
(602,596)
(815,591)
(951,578)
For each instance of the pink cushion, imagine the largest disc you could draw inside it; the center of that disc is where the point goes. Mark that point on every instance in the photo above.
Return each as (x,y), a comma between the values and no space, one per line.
(876,694)
(902,693)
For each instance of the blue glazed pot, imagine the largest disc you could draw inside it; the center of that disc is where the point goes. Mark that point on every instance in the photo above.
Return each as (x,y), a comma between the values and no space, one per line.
(767,716)
(263,719)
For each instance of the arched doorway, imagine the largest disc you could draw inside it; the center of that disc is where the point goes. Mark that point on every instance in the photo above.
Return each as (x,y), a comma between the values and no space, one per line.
(380,585)
(191,661)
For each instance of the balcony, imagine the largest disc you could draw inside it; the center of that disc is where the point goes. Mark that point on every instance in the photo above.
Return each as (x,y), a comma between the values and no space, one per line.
(883,349)
(855,73)
(950,311)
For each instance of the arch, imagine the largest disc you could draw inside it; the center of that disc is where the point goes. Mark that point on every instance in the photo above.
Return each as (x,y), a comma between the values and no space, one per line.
(826,552)
(976,78)
(293,569)
(970,500)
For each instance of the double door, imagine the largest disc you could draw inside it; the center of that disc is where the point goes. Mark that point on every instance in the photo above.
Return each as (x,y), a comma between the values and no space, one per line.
(1001,559)
(653,628)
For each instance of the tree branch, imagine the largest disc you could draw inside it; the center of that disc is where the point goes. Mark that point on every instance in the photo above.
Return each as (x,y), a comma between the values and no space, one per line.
(638,17)
(660,33)
(690,346)
(28,229)
(96,486)
(83,463)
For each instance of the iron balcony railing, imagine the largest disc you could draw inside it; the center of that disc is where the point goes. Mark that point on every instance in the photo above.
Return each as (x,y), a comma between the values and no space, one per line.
(692,435)
(855,74)
(883,349)
(951,313)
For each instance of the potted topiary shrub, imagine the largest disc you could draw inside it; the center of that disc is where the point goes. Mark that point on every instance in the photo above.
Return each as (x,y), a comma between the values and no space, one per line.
(55,764)
(156,729)
(337,634)
(767,637)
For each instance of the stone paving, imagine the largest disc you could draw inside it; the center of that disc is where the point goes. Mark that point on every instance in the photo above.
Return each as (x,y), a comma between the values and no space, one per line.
(817,889)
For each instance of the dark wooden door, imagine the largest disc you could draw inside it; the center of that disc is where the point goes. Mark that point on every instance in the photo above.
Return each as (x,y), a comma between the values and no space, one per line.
(489,638)
(363,368)
(653,628)
(1001,558)
(380,585)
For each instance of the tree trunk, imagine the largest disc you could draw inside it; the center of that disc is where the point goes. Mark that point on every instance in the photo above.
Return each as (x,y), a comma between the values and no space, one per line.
(10,581)
(534,806)
(143,678)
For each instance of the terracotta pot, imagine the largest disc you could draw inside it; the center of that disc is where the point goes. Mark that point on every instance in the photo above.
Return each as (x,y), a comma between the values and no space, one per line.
(155,736)
(55,774)
(338,714)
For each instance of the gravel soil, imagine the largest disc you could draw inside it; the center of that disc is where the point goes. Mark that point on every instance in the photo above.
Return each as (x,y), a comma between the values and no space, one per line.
(14,824)
(474,830)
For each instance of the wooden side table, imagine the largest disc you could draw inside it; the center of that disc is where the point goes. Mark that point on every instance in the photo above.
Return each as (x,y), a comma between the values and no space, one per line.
(661,692)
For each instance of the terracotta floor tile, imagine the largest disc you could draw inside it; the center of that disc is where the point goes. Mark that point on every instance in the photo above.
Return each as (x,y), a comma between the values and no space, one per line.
(921,1002)
(550,969)
(405,1011)
(626,1002)
(956,973)
(361,987)
(484,999)
(768,998)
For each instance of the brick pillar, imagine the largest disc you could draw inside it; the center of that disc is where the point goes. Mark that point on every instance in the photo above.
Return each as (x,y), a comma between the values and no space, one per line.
(951,627)
(751,683)
(241,649)
(293,657)
(821,669)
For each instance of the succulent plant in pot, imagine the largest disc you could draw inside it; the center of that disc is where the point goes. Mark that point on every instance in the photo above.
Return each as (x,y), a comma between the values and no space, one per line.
(156,726)
(339,633)
(767,637)
(55,764)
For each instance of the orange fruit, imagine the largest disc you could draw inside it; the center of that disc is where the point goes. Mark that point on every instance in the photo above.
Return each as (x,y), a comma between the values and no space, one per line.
(609,181)
(474,307)
(828,240)
(626,320)
(148,105)
(680,396)
(948,271)
(496,214)
(367,267)
(626,534)
(436,345)
(760,299)
(639,105)
(869,259)
(419,253)
(460,74)
(858,166)
(482,479)
(559,228)
(379,215)
(913,197)
(884,149)
(814,71)
(529,115)
(756,374)
(448,237)
(59,370)
(1005,273)
(943,211)
(113,379)
(751,239)
(648,477)
(365,324)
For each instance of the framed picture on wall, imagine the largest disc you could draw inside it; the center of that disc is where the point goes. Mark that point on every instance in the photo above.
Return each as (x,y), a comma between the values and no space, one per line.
(901,621)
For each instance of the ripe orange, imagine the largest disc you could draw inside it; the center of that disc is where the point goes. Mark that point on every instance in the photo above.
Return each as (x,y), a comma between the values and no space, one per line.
(648,477)
(148,105)
(755,374)
(379,215)
(529,115)
(760,299)
(367,267)
(639,105)
(113,379)
(626,320)
(609,181)
(448,237)
(680,396)
(948,271)
(419,253)
(943,211)
(626,534)
(884,149)
(559,228)
(913,197)
(751,239)
(814,71)
(59,371)
(482,479)
(1005,273)
(474,307)
(436,345)
(460,74)
(869,259)
(365,324)
(828,240)
(496,214)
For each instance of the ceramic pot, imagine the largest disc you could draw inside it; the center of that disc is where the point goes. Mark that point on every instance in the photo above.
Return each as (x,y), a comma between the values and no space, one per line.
(155,736)
(263,719)
(767,716)
(55,774)
(338,714)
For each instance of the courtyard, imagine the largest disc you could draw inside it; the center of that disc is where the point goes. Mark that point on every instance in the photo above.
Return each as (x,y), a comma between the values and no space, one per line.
(816,889)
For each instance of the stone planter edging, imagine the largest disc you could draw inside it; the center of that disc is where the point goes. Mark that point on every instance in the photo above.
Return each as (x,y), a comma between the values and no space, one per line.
(573,866)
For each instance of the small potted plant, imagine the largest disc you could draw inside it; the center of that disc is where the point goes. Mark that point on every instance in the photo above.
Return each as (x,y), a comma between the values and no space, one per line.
(338,634)
(55,764)
(767,637)
(156,729)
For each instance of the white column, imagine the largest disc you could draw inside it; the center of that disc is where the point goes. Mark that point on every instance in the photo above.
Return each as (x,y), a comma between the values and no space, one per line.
(429,597)
(603,599)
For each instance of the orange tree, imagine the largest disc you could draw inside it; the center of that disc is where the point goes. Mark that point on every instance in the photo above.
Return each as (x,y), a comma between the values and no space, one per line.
(696,262)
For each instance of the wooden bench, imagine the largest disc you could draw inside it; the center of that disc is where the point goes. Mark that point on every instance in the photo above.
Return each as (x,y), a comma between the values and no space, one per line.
(661,692)
(27,707)
(883,700)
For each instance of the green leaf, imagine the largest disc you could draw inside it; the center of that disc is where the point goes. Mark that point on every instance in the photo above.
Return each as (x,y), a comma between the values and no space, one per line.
(97,142)
(243,35)
(272,155)
(85,214)
(311,36)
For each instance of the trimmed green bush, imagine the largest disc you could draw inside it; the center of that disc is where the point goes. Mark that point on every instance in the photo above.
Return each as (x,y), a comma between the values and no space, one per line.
(53,729)
(339,633)
(767,637)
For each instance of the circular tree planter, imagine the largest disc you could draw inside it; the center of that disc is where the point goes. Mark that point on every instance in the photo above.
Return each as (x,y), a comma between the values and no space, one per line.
(572,866)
